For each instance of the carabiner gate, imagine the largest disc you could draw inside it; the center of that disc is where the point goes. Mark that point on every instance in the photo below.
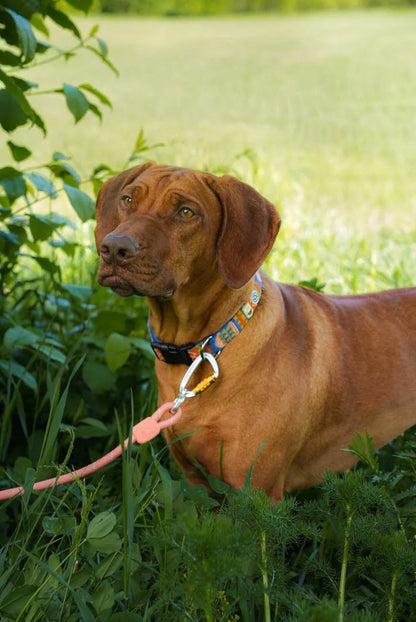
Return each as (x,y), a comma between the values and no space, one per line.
(184,393)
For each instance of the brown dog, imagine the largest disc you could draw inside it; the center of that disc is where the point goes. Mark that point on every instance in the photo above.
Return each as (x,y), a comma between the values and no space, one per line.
(306,372)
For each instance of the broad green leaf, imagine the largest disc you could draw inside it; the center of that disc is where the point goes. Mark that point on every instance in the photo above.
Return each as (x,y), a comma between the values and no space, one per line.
(64,171)
(19,152)
(13,368)
(52,353)
(17,337)
(97,376)
(12,604)
(42,183)
(109,566)
(25,7)
(81,202)
(7,58)
(11,113)
(14,188)
(63,20)
(46,264)
(26,37)
(16,87)
(8,172)
(101,525)
(10,238)
(41,227)
(76,101)
(108,544)
(59,525)
(117,350)
(82,292)
(103,597)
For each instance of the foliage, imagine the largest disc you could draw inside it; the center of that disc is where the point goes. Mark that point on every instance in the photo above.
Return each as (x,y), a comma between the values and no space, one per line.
(48,326)
(221,7)
(345,550)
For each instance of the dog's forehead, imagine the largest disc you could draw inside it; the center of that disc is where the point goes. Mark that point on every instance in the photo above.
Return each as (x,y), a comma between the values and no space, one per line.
(159,179)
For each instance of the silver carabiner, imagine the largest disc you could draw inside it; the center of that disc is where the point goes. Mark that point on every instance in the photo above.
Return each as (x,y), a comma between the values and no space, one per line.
(184,393)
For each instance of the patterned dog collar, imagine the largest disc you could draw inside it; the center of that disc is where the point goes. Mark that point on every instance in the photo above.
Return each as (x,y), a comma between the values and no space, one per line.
(213,344)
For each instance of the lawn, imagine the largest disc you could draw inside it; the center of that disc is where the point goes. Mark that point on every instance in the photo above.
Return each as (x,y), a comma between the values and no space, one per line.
(316,112)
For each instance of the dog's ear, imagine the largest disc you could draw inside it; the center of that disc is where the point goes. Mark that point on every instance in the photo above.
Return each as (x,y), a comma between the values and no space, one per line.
(250,224)
(107,201)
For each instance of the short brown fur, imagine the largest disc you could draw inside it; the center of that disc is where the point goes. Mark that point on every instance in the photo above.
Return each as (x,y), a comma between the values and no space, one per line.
(308,371)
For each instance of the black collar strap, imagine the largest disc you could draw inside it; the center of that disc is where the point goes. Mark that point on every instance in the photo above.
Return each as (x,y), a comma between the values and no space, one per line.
(215,343)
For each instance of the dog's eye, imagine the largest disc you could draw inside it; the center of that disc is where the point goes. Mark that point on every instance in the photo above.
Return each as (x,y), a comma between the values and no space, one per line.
(126,200)
(186,212)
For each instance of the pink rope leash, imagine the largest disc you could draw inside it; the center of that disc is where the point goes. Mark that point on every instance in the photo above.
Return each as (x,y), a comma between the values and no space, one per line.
(144,431)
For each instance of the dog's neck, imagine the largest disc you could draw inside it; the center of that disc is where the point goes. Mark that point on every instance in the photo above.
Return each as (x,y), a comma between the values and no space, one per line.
(181,320)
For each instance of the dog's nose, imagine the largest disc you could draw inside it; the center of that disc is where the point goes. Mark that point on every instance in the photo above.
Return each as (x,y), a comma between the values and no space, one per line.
(118,249)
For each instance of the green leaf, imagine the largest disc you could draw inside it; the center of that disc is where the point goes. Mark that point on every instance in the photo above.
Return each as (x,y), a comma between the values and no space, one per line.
(14,188)
(81,202)
(38,22)
(11,113)
(76,101)
(103,47)
(16,87)
(59,525)
(97,376)
(8,172)
(98,94)
(101,525)
(18,337)
(63,20)
(42,183)
(103,597)
(19,152)
(82,292)
(117,350)
(81,5)
(41,227)
(109,566)
(26,37)
(57,155)
(63,171)
(108,544)
(103,58)
(52,353)
(12,368)
(13,603)
(11,238)
(7,58)
(46,264)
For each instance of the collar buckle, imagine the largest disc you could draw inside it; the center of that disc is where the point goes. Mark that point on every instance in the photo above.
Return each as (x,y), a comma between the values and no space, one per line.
(172,354)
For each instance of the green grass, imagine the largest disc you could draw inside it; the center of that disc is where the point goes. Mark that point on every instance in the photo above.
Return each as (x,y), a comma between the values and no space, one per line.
(314,110)
(325,103)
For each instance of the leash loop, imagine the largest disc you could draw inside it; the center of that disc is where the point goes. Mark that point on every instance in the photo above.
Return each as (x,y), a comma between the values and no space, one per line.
(184,392)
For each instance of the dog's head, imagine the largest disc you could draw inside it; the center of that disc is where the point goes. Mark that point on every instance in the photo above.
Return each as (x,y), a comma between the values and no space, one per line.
(161,227)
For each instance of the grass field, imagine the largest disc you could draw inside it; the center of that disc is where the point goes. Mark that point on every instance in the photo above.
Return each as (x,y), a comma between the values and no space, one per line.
(325,102)
(314,110)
